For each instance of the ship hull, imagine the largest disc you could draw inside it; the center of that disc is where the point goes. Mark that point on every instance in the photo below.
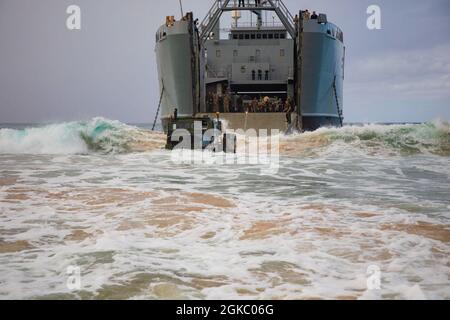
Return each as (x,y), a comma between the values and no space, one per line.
(175,70)
(322,77)
(316,122)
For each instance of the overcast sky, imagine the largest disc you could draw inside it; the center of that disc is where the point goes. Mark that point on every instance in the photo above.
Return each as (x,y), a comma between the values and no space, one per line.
(48,73)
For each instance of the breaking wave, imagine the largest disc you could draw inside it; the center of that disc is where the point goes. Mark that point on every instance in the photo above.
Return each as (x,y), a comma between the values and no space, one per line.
(106,136)
(96,135)
(406,139)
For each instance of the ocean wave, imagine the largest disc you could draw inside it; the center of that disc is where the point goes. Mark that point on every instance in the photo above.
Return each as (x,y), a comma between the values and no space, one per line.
(406,139)
(107,136)
(96,135)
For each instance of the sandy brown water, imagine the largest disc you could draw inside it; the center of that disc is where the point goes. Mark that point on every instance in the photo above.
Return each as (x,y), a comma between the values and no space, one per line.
(138,226)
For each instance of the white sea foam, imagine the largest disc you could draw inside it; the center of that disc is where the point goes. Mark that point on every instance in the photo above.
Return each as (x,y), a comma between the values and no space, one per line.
(96,135)
(140,227)
(54,139)
(107,136)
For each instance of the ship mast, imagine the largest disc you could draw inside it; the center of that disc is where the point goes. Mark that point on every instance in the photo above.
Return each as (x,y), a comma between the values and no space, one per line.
(236,15)
(181,9)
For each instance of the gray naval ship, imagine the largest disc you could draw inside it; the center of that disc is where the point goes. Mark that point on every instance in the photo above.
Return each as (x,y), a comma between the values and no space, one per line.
(274,71)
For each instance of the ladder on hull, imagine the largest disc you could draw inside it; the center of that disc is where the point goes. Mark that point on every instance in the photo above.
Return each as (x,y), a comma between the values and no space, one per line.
(159,108)
(340,112)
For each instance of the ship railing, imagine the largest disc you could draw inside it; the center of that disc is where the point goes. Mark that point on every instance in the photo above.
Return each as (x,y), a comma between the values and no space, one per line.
(280,4)
(285,16)
(212,15)
(255,24)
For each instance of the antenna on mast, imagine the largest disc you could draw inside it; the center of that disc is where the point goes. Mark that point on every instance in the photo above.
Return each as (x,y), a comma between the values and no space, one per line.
(181,8)
(235,15)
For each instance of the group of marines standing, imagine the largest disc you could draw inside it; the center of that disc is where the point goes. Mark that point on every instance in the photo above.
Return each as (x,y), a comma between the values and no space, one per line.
(227,103)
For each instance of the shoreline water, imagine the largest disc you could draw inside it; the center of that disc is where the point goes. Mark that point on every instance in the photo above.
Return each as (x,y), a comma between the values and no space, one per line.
(139,227)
